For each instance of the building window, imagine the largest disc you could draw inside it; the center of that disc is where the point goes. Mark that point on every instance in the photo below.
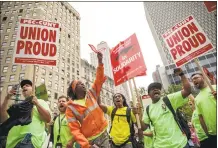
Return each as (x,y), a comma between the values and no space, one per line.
(42,80)
(12,77)
(21,11)
(1,52)
(1,88)
(9,88)
(4,19)
(43,71)
(5,69)
(4,44)
(49,83)
(23,67)
(12,43)
(8,30)
(2,78)
(77,72)
(10,51)
(56,86)
(14,68)
(10,23)
(57,77)
(62,89)
(62,80)
(6,37)
(14,36)
(7,60)
(21,77)
(56,96)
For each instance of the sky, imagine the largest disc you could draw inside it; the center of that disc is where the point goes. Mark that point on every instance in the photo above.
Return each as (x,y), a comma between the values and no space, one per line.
(113,22)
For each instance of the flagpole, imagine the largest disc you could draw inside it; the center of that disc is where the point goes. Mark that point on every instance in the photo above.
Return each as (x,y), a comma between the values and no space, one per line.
(204,75)
(34,78)
(138,96)
(134,104)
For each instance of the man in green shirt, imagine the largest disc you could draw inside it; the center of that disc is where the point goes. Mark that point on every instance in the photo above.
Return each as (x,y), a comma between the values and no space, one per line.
(62,134)
(33,134)
(206,108)
(167,131)
(148,137)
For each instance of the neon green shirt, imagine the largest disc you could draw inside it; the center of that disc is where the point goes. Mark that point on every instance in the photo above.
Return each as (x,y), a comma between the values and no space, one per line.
(120,130)
(167,132)
(206,106)
(199,130)
(148,141)
(36,128)
(65,134)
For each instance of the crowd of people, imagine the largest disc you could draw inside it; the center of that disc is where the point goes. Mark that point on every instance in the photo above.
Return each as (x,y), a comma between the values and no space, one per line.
(81,122)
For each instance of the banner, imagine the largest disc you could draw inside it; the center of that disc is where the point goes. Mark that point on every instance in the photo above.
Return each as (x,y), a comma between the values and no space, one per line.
(41,92)
(37,42)
(127,60)
(186,41)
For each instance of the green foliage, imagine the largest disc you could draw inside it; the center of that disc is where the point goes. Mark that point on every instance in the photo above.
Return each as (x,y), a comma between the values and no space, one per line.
(187,111)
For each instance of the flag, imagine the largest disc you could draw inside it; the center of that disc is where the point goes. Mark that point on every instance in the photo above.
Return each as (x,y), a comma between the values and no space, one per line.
(93,48)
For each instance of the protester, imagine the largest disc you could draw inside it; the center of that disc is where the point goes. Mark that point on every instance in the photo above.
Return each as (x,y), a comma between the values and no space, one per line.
(62,134)
(206,103)
(148,137)
(120,131)
(196,122)
(167,132)
(33,134)
(85,118)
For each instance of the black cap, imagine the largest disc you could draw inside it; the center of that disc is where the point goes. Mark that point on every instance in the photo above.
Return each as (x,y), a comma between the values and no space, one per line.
(24,82)
(154,85)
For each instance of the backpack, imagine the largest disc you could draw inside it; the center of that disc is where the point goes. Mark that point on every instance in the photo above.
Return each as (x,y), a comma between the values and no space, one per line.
(178,116)
(132,137)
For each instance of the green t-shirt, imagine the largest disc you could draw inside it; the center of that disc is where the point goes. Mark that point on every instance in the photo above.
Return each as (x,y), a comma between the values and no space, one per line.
(199,130)
(120,130)
(36,128)
(148,141)
(206,106)
(65,134)
(167,131)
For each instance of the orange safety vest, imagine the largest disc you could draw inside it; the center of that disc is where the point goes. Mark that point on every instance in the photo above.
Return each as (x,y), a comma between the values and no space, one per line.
(86,122)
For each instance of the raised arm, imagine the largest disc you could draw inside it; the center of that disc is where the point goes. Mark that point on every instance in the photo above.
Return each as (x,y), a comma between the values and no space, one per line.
(100,77)
(186,85)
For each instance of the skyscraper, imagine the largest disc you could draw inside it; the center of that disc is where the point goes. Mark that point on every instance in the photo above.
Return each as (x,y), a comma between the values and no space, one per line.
(103,46)
(68,63)
(163,15)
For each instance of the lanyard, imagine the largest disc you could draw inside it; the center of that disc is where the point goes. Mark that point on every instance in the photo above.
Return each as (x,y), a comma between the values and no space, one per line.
(59,124)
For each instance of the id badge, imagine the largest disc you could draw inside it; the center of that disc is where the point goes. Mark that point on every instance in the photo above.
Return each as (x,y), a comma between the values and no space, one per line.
(58,145)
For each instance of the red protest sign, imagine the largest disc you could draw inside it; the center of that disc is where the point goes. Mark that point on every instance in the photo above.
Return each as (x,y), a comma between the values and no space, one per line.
(127,60)
(37,42)
(186,41)
(93,48)
(210,5)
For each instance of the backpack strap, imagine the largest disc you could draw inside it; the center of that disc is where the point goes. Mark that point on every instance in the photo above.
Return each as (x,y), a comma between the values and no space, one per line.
(112,117)
(169,105)
(147,111)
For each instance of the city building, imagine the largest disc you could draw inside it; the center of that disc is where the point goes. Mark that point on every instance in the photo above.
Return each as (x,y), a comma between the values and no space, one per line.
(105,49)
(163,15)
(57,77)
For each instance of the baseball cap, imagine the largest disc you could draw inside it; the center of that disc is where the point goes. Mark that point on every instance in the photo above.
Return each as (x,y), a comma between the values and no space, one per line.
(154,85)
(24,82)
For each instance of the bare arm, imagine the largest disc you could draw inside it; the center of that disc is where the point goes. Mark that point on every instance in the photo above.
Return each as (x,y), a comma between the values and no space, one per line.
(103,107)
(186,87)
(44,114)
(203,125)
(149,134)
